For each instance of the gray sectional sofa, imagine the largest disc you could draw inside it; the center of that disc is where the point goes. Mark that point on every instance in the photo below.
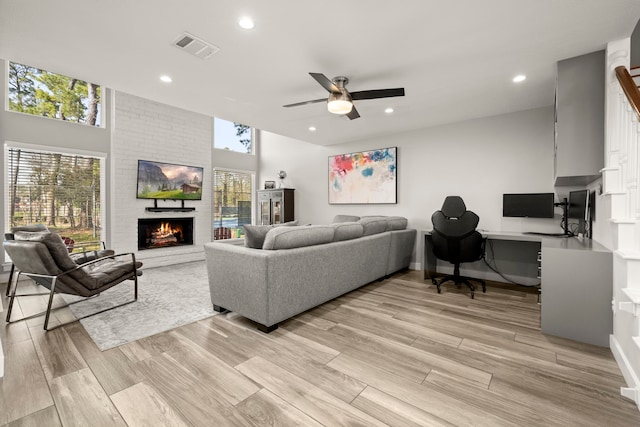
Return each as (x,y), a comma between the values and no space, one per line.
(282,271)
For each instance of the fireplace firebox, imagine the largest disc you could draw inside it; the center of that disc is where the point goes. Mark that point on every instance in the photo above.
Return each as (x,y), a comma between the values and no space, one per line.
(164,232)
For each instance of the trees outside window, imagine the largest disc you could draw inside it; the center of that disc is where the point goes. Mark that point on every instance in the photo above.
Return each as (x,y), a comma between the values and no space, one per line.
(232,136)
(46,94)
(232,192)
(56,189)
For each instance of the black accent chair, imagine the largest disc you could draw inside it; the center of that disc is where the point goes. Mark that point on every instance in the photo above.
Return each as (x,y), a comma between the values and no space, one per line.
(43,257)
(84,255)
(456,240)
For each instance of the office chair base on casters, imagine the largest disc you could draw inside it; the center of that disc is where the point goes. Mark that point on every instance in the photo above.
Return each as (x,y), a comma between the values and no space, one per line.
(458,281)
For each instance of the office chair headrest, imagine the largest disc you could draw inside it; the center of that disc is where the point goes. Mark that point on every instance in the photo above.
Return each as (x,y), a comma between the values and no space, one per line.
(453,207)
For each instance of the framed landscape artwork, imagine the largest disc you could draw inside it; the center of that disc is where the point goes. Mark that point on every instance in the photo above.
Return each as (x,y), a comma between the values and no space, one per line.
(363,177)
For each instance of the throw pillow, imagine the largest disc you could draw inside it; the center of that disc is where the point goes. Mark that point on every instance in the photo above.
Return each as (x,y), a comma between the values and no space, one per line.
(254,235)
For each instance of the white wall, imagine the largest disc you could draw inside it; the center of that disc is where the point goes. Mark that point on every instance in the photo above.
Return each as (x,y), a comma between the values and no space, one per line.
(478,160)
(149,130)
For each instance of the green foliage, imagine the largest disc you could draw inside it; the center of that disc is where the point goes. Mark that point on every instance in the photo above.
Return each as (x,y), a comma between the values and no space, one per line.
(46,94)
(242,130)
(170,194)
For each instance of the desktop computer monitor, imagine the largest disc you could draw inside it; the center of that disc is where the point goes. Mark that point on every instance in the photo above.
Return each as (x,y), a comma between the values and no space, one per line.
(528,205)
(579,205)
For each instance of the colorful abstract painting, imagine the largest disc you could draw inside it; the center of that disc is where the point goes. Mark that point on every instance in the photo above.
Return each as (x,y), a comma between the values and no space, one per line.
(363,177)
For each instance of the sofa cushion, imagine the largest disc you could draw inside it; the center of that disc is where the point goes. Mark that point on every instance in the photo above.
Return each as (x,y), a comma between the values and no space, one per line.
(396,223)
(373,225)
(297,237)
(344,218)
(347,231)
(254,234)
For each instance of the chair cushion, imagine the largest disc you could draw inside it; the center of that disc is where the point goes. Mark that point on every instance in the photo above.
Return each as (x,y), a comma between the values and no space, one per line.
(105,272)
(347,231)
(297,237)
(54,243)
(373,225)
(344,218)
(82,257)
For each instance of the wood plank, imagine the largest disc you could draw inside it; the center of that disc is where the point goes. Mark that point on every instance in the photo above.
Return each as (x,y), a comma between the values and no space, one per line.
(434,402)
(231,385)
(47,417)
(82,402)
(313,401)
(24,389)
(395,412)
(57,352)
(199,402)
(266,409)
(112,368)
(142,405)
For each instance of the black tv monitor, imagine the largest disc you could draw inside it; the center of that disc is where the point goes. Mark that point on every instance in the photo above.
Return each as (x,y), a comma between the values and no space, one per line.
(168,181)
(528,205)
(578,205)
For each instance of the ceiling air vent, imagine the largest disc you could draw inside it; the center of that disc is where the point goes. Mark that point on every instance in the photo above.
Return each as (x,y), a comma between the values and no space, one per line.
(195,46)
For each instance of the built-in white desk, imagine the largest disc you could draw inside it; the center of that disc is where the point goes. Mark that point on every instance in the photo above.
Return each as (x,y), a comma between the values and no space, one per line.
(576,281)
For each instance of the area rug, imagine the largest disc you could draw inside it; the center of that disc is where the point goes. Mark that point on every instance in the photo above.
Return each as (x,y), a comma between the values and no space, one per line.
(168,297)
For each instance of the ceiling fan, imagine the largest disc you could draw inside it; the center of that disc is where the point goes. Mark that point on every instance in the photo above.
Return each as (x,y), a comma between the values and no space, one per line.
(340,100)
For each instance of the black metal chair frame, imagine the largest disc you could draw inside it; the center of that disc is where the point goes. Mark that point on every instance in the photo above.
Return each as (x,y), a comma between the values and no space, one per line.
(49,281)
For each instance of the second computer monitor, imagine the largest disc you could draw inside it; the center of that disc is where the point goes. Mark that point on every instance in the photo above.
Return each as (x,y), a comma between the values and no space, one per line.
(579,205)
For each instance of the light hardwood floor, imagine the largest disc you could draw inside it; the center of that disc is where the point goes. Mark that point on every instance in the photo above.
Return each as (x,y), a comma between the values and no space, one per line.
(391,353)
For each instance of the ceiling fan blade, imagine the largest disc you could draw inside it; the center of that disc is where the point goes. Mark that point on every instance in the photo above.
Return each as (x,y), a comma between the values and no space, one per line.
(313,101)
(353,114)
(377,93)
(325,82)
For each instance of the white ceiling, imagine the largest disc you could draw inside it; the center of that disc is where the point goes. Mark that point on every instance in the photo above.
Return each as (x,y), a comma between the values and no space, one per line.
(455,59)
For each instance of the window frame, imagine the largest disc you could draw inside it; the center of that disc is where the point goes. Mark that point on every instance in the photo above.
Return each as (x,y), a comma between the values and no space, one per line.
(101,157)
(252,175)
(101,110)
(253,138)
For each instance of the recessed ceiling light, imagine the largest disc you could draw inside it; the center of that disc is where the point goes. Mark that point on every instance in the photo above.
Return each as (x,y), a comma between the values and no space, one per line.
(246,23)
(166,78)
(312,128)
(388,110)
(519,78)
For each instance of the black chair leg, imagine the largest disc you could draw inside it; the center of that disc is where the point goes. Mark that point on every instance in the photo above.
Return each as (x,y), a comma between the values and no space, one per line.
(11,272)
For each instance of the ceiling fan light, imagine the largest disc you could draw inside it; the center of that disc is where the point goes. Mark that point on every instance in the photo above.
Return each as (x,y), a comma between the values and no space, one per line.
(339,103)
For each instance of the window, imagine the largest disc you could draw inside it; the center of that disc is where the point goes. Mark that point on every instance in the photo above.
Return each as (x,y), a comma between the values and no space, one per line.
(41,93)
(232,136)
(59,190)
(231,203)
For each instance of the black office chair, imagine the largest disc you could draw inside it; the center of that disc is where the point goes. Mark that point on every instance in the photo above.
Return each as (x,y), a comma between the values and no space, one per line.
(456,240)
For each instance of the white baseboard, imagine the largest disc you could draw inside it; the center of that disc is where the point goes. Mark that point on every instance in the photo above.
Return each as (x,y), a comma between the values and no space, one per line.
(630,376)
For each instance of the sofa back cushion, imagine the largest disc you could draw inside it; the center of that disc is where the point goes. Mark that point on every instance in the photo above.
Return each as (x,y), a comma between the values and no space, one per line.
(345,218)
(347,231)
(297,237)
(396,223)
(254,235)
(373,225)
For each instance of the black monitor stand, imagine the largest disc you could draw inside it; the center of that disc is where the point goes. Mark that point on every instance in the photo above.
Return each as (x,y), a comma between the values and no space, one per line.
(565,215)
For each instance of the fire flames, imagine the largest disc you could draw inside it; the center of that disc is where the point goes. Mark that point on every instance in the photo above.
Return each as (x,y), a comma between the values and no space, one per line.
(166,234)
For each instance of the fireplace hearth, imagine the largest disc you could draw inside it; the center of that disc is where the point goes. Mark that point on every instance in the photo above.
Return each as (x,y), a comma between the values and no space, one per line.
(164,232)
